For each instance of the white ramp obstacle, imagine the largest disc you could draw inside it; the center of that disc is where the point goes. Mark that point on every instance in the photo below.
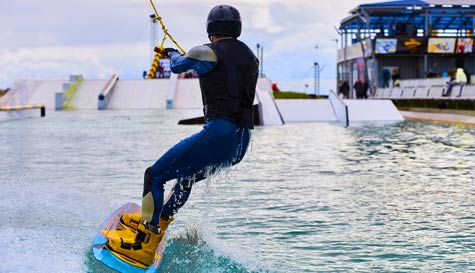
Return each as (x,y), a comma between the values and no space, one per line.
(268,109)
(339,108)
(86,95)
(172,86)
(21,92)
(302,110)
(139,94)
(20,101)
(264,84)
(46,93)
(34,92)
(188,94)
(372,110)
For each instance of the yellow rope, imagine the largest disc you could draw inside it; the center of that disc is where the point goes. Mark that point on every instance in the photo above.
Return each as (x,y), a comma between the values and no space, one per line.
(156,60)
(165,31)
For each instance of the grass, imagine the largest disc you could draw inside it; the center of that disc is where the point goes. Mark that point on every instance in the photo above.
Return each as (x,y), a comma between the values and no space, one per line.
(290,95)
(296,95)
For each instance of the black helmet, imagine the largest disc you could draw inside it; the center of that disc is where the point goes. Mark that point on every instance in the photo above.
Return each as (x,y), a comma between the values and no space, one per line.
(224,20)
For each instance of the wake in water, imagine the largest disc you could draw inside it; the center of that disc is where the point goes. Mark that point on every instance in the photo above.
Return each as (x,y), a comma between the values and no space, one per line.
(187,251)
(197,248)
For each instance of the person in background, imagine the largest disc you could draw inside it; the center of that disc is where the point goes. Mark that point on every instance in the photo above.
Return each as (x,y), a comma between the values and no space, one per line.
(386,76)
(395,76)
(160,71)
(344,90)
(460,79)
(359,87)
(397,83)
(228,71)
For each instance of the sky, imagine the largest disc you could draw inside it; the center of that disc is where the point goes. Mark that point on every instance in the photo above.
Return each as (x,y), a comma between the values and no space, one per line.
(51,39)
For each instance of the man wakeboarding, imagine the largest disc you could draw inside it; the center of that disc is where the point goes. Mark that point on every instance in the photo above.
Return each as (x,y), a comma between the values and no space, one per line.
(228,71)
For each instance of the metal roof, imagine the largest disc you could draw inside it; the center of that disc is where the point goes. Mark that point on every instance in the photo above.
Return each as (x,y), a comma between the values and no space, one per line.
(442,15)
(403,3)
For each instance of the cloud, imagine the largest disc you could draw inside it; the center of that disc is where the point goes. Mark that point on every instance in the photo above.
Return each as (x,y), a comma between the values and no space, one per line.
(51,38)
(263,20)
(57,62)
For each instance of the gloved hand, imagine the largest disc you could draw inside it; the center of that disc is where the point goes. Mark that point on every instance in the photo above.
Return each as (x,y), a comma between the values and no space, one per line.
(164,51)
(168,50)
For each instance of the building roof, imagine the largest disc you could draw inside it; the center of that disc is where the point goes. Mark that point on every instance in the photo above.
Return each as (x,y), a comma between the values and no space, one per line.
(444,15)
(402,3)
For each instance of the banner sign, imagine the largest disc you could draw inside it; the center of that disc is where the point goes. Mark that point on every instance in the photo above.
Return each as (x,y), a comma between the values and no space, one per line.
(441,45)
(464,45)
(385,46)
(412,45)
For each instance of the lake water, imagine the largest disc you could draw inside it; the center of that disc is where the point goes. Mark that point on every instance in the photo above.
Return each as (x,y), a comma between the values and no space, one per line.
(306,198)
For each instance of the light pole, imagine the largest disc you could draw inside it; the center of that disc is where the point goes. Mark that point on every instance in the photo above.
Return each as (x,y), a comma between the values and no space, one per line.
(337,75)
(260,57)
(336,44)
(153,35)
(317,78)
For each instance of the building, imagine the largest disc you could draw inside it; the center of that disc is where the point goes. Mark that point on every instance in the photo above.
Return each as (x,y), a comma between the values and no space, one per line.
(417,39)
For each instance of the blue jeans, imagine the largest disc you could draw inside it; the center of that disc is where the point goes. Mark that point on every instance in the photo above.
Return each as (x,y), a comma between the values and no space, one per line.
(219,144)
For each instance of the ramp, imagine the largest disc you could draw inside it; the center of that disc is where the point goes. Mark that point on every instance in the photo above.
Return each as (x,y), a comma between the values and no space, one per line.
(339,107)
(264,84)
(268,109)
(24,90)
(299,110)
(46,93)
(35,91)
(139,94)
(23,96)
(86,95)
(188,94)
(372,110)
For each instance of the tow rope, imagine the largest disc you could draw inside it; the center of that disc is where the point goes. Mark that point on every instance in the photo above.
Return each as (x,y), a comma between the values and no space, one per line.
(159,55)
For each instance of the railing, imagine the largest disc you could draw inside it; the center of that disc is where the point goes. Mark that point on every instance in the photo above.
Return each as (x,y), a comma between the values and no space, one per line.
(24,107)
(340,108)
(106,93)
(64,98)
(435,88)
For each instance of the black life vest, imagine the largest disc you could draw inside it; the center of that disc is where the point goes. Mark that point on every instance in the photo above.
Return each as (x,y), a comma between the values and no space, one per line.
(228,90)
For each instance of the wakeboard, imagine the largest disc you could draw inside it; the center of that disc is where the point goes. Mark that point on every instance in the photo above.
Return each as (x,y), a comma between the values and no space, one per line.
(115,260)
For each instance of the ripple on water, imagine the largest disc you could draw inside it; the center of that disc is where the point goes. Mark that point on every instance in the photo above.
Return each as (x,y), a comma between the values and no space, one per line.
(306,198)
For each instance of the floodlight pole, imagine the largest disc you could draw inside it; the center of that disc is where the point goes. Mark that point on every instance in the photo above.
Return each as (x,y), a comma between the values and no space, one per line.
(336,51)
(260,57)
(317,78)
(262,61)
(153,35)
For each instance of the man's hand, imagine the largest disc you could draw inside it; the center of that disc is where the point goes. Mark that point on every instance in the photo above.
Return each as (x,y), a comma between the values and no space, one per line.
(164,51)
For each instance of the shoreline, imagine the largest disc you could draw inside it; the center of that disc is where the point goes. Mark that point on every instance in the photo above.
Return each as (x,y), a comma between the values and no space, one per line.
(439,117)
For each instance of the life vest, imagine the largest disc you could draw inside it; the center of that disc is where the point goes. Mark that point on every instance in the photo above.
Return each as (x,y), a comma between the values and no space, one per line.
(228,91)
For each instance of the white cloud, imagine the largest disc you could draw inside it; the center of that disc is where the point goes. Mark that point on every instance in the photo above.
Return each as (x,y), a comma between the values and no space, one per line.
(58,62)
(262,19)
(52,38)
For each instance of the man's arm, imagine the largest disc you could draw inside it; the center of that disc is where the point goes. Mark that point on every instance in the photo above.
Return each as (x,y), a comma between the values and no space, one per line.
(200,58)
